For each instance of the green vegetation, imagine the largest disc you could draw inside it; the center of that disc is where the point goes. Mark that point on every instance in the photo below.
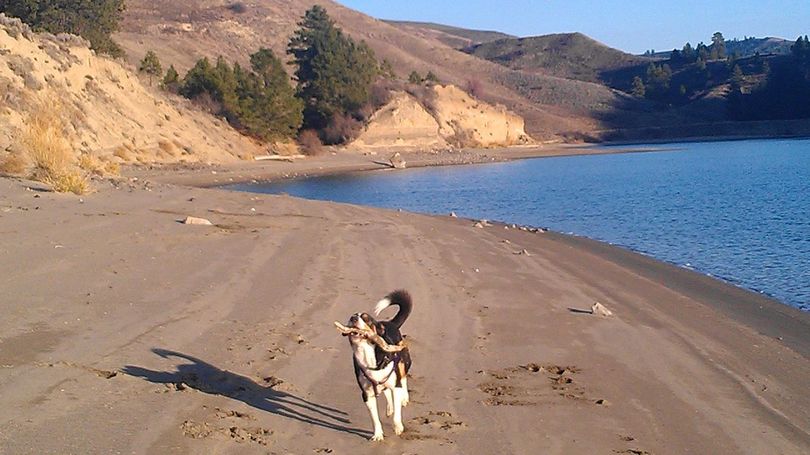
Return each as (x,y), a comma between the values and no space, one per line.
(171,80)
(784,93)
(261,102)
(94,20)
(150,65)
(334,74)
(639,89)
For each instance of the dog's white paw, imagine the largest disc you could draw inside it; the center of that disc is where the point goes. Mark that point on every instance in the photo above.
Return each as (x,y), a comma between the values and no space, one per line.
(389,410)
(398,429)
(406,399)
(377,437)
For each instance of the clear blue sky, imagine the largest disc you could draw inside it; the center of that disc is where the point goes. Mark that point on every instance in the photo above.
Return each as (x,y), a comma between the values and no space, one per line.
(630,26)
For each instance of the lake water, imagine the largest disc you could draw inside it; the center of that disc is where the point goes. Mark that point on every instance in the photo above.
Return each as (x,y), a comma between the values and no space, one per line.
(739,211)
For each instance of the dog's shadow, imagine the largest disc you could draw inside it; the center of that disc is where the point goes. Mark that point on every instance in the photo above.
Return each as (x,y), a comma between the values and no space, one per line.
(207,378)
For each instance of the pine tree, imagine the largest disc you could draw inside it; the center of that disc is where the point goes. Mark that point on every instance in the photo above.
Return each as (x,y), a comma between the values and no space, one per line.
(718,47)
(268,108)
(432,77)
(415,78)
(658,79)
(639,89)
(171,79)
(150,65)
(387,70)
(334,73)
(94,20)
(688,53)
(737,77)
(260,101)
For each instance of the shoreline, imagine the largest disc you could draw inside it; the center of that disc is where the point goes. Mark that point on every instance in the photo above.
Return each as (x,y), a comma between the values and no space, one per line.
(498,155)
(257,173)
(768,315)
(215,330)
(212,176)
(697,139)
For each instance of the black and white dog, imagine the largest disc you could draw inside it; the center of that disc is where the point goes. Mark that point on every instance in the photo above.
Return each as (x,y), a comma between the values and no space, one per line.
(380,371)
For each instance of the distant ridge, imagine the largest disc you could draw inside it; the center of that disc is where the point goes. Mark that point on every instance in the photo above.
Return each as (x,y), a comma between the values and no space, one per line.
(566,55)
(749,47)
(455,37)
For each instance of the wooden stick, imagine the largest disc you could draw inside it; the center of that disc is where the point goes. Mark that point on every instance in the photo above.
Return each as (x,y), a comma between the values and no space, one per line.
(371,336)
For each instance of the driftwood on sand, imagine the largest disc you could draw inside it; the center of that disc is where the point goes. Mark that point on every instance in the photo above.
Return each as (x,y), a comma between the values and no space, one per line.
(376,339)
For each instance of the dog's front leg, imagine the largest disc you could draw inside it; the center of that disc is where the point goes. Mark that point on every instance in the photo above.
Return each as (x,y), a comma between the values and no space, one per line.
(389,402)
(406,397)
(371,403)
(398,427)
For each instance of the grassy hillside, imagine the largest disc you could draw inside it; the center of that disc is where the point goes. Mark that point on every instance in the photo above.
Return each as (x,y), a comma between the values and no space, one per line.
(554,107)
(65,106)
(454,37)
(565,86)
(567,55)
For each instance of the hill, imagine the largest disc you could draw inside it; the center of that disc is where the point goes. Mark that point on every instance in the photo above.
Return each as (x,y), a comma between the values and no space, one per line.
(455,37)
(107,111)
(747,47)
(553,107)
(566,55)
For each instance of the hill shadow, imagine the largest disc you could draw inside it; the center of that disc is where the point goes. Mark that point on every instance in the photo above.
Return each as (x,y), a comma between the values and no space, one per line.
(207,378)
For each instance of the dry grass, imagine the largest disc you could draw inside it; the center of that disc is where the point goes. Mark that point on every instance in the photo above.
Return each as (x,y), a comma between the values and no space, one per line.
(91,164)
(112,168)
(70,181)
(49,151)
(122,152)
(13,164)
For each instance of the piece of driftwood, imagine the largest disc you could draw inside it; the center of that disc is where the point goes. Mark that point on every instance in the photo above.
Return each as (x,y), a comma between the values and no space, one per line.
(376,339)
(289,158)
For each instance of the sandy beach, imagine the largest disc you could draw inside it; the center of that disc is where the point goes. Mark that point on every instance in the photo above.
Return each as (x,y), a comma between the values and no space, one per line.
(125,331)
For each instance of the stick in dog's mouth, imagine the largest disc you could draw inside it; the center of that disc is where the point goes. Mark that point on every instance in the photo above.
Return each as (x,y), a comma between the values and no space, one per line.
(371,336)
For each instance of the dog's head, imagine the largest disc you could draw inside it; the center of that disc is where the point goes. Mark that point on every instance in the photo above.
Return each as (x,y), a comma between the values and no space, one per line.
(363,321)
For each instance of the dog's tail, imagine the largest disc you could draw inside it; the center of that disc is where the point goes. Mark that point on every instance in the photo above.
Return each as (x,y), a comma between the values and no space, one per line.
(399,298)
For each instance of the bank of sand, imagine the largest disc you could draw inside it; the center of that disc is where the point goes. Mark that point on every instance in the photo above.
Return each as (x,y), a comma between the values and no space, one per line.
(124,331)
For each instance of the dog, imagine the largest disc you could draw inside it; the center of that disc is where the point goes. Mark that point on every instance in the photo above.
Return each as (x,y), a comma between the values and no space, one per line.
(380,371)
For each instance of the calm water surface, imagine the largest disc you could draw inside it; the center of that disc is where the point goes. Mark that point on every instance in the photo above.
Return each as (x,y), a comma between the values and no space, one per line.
(735,210)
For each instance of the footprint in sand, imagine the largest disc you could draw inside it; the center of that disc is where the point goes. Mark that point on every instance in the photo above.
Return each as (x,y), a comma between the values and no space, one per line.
(433,425)
(533,384)
(230,429)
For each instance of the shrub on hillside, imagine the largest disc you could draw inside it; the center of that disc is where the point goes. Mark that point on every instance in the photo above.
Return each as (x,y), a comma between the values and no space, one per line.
(310,143)
(49,151)
(341,129)
(171,81)
(238,7)
(380,94)
(475,88)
